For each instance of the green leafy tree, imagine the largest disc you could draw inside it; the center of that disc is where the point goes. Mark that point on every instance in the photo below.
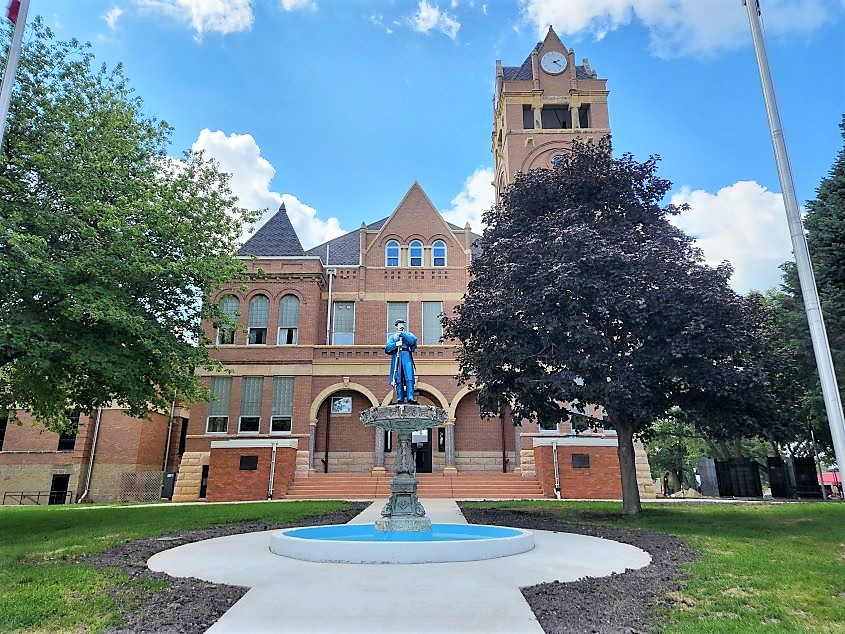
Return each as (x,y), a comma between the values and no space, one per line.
(675,446)
(825,227)
(584,290)
(108,247)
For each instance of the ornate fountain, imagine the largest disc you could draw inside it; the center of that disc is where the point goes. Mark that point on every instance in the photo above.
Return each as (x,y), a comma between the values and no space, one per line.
(403,512)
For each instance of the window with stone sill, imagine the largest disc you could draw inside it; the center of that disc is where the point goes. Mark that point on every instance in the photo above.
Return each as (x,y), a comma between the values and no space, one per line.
(249,424)
(217,425)
(438,253)
(259,312)
(229,306)
(288,321)
(280,425)
(391,253)
(415,254)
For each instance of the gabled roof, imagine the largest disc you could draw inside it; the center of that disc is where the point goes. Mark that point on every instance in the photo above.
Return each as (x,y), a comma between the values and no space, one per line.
(276,237)
(513,73)
(345,249)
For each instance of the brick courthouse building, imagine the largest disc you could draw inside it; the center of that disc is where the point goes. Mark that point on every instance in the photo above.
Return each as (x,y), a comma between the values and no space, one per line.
(308,356)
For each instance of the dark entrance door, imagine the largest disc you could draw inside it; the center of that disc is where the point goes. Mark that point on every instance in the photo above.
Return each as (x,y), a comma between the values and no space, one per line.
(204,481)
(58,488)
(422,450)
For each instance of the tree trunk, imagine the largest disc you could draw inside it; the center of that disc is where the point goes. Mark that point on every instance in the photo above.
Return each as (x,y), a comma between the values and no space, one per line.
(628,469)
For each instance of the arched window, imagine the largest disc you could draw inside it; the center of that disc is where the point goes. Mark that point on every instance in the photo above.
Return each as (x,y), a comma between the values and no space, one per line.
(229,306)
(557,160)
(259,311)
(415,253)
(391,253)
(438,253)
(288,321)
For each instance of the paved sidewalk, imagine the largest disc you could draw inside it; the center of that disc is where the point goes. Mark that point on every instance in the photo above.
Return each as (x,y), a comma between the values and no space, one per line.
(287,595)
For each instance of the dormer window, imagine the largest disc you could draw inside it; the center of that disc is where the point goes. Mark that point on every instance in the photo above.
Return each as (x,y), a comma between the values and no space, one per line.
(391,253)
(438,253)
(415,253)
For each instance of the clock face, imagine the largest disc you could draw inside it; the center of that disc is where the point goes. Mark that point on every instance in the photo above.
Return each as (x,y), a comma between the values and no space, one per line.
(553,62)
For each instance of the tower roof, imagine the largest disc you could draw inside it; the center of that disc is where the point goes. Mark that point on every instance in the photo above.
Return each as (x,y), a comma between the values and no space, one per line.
(276,237)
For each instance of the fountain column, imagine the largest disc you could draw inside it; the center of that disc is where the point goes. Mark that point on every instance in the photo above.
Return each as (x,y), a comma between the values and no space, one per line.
(403,511)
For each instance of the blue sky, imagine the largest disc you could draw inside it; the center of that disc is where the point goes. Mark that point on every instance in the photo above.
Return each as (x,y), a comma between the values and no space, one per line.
(337,106)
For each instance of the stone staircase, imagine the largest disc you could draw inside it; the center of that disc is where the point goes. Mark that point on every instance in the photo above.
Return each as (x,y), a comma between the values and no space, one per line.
(467,486)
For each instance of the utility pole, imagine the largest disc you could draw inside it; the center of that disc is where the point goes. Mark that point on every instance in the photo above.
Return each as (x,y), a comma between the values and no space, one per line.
(17,14)
(818,334)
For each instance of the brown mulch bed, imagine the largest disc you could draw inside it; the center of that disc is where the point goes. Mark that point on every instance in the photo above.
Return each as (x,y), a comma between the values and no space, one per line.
(625,602)
(619,603)
(187,605)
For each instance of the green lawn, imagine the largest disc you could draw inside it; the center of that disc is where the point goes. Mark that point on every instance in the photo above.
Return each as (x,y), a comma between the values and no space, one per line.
(763,567)
(40,590)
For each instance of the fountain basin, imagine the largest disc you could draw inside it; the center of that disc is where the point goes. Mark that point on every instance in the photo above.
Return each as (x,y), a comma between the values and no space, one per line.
(363,544)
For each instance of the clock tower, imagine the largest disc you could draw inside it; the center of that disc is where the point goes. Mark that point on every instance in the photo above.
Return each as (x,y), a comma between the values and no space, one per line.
(542,106)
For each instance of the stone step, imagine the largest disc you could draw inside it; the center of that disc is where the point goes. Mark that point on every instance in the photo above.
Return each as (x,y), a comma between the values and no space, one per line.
(464,485)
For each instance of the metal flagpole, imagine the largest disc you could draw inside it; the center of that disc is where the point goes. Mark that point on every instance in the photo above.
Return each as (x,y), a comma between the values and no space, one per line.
(812,307)
(12,66)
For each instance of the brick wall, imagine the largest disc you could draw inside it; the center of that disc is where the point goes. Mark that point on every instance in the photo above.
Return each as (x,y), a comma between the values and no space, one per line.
(473,434)
(228,483)
(346,433)
(600,481)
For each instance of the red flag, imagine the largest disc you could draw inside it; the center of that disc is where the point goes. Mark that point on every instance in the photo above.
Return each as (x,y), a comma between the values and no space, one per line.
(12,11)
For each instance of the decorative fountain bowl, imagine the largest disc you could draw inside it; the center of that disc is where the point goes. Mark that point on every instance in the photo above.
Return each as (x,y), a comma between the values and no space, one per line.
(404,418)
(363,544)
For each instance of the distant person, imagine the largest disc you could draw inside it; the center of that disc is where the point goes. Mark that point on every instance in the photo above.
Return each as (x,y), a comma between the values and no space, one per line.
(401,345)
(666,484)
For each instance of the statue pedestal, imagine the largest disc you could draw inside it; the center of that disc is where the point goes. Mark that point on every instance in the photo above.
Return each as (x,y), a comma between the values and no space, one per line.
(403,512)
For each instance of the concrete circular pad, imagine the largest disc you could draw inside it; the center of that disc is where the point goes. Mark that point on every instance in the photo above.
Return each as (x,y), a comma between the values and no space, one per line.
(289,595)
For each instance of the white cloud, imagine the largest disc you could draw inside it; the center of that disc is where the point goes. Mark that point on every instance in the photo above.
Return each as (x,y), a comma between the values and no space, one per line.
(219,16)
(477,196)
(111,17)
(677,27)
(240,155)
(743,223)
(429,17)
(293,5)
(377,19)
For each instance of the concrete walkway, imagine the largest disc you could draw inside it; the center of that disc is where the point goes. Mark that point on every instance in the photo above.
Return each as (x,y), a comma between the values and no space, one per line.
(288,595)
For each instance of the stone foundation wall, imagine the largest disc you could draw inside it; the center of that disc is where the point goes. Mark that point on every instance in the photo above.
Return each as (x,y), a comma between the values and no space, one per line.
(302,467)
(644,481)
(529,469)
(350,461)
(190,474)
(482,460)
(36,477)
(106,484)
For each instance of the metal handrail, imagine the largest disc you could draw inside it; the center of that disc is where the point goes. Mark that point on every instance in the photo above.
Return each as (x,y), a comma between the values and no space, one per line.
(33,497)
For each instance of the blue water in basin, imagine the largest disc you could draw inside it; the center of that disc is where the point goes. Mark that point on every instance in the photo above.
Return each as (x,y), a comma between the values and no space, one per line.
(368,533)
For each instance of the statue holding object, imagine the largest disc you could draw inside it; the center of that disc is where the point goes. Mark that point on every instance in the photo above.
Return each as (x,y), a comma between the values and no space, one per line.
(401,345)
